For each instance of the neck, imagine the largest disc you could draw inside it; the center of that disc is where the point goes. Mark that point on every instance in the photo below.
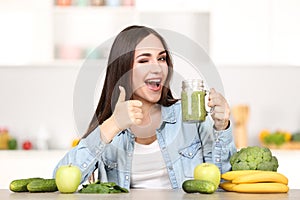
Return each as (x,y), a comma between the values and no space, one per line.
(146,132)
(146,141)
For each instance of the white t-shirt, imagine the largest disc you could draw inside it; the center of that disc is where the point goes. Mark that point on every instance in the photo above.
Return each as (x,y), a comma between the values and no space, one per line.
(148,167)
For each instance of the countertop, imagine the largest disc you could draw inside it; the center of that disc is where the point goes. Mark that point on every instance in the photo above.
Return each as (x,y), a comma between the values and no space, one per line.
(17,164)
(150,193)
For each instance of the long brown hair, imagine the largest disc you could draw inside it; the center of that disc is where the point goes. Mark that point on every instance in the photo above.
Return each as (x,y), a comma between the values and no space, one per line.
(120,62)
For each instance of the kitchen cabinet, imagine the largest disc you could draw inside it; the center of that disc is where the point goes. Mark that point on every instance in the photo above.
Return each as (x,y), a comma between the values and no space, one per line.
(73,32)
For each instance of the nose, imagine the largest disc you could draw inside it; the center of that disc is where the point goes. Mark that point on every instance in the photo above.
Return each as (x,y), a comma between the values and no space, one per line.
(155,67)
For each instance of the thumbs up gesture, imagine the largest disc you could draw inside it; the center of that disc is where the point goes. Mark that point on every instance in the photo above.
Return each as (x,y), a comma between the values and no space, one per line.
(127,113)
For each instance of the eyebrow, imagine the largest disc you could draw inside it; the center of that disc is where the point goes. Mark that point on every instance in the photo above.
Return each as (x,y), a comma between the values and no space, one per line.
(148,54)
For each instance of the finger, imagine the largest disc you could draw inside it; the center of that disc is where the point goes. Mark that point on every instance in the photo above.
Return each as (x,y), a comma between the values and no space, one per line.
(215,102)
(138,115)
(221,116)
(135,103)
(212,93)
(137,121)
(122,94)
(135,110)
(219,109)
(136,118)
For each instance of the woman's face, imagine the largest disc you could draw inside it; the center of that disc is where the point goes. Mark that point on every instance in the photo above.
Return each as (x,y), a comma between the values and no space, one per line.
(150,70)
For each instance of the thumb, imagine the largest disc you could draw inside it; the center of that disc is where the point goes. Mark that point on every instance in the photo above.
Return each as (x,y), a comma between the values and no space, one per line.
(122,94)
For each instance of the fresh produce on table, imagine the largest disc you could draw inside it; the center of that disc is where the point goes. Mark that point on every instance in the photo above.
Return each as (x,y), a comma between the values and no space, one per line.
(296,137)
(33,185)
(255,187)
(68,178)
(207,177)
(198,186)
(27,145)
(276,138)
(208,172)
(42,185)
(255,181)
(12,144)
(104,188)
(254,158)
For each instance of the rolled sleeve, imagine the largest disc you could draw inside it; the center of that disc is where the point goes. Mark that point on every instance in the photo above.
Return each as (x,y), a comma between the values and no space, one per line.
(85,155)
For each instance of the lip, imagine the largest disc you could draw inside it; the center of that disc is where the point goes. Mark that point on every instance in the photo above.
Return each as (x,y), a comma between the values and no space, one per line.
(154,84)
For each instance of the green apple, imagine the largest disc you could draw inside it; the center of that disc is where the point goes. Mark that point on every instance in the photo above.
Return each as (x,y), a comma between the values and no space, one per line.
(68,178)
(209,172)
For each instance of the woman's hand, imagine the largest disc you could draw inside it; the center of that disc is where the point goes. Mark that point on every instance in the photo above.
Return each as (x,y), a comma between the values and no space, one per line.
(127,113)
(221,110)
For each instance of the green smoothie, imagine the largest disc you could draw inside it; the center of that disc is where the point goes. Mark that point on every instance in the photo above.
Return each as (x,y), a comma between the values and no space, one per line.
(193,106)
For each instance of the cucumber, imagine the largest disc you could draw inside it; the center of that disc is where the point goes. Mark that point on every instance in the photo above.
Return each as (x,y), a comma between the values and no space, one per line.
(43,185)
(200,186)
(20,185)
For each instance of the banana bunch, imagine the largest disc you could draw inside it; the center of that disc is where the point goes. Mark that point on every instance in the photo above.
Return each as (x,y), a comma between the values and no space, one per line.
(255,181)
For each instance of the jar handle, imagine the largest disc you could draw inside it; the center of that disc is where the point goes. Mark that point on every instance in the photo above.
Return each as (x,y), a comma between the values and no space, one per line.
(212,109)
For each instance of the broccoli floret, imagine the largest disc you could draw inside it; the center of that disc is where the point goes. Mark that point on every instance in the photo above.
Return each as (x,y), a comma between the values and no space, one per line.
(240,166)
(254,158)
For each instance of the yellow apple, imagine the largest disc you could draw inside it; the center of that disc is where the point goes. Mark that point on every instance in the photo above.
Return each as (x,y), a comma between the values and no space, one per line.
(68,178)
(209,172)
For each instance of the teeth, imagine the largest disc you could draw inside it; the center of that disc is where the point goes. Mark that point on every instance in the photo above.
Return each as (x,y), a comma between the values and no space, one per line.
(157,81)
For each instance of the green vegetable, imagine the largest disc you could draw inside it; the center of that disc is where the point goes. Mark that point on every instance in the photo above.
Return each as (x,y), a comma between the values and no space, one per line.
(20,185)
(296,137)
(276,138)
(12,144)
(42,185)
(201,186)
(104,188)
(254,158)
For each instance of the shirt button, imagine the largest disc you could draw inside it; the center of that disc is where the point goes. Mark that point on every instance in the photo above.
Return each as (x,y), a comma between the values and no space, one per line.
(84,165)
(97,151)
(129,154)
(190,154)
(218,159)
(126,177)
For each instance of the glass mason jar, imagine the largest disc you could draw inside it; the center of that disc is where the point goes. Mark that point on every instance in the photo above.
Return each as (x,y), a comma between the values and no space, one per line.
(193,101)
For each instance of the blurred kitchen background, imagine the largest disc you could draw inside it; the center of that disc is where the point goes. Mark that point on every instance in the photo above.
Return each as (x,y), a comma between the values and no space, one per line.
(254,44)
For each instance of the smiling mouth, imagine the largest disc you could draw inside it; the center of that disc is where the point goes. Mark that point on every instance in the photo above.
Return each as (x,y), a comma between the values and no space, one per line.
(153,84)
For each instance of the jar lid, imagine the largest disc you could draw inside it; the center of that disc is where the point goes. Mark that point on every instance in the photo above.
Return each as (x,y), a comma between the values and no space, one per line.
(193,83)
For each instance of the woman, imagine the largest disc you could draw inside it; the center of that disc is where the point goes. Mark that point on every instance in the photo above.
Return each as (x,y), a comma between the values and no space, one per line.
(137,138)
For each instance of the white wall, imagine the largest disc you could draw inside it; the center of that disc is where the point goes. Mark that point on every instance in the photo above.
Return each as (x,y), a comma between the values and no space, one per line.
(271,92)
(256,55)
(32,96)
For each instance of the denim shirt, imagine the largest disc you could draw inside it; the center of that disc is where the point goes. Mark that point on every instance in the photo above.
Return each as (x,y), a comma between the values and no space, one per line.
(183,146)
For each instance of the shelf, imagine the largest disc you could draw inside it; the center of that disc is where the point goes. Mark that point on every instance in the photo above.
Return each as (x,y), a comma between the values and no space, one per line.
(55,64)
(88,10)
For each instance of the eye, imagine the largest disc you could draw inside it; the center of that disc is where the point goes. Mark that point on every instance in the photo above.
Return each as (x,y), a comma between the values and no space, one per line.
(143,61)
(162,58)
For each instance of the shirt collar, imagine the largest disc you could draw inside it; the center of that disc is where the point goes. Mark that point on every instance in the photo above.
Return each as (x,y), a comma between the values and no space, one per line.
(168,114)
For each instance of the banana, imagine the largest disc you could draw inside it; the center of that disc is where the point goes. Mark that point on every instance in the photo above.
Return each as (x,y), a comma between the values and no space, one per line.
(230,175)
(262,176)
(261,188)
(228,186)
